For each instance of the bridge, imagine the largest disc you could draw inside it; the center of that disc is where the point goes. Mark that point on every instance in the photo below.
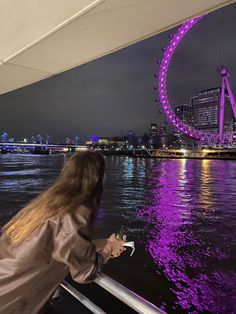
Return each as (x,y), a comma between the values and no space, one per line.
(41,148)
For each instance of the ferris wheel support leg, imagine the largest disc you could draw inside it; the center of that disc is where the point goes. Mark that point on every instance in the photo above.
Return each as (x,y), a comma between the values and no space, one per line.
(222,107)
(231,97)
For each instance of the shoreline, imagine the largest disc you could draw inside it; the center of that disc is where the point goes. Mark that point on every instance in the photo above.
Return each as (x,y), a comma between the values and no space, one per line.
(130,154)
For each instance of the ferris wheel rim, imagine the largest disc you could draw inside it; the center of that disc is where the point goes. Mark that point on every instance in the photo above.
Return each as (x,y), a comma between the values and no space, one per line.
(163,96)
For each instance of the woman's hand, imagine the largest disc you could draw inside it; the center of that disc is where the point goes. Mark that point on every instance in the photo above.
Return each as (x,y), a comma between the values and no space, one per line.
(117,245)
(113,248)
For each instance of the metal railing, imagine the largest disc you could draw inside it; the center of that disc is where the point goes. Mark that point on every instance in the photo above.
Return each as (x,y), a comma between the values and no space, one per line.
(133,300)
(82,298)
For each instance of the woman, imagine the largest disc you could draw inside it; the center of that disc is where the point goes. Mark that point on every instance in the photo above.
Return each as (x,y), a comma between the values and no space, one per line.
(50,237)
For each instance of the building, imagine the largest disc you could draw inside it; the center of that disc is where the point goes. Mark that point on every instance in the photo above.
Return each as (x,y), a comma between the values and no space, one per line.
(107,142)
(205,107)
(132,139)
(153,131)
(184,113)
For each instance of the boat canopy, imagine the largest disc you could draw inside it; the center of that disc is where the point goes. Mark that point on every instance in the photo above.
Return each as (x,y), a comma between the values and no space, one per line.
(41,38)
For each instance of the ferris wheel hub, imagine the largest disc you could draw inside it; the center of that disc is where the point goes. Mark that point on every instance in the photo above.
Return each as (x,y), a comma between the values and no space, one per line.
(223,71)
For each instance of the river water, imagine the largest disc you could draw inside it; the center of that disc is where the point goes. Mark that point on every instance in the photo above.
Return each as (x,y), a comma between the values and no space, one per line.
(180,213)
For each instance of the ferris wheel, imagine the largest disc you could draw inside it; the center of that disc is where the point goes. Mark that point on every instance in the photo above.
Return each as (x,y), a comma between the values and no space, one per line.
(189,131)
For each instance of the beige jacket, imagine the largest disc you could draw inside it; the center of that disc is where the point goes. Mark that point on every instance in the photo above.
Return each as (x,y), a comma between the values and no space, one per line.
(30,273)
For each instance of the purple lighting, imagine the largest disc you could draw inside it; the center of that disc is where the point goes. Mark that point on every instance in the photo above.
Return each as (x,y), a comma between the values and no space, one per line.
(179,240)
(162,86)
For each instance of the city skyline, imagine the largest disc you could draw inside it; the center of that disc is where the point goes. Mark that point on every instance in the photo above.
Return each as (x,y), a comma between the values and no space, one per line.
(6,137)
(116,92)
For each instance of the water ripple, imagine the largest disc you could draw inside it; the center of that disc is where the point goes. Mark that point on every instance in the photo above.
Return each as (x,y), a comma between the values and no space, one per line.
(181,213)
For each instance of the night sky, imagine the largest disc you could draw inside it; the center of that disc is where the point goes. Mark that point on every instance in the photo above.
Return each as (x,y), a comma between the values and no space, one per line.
(115,93)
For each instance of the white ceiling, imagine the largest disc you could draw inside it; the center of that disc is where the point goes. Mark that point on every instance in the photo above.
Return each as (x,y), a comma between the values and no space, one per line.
(41,38)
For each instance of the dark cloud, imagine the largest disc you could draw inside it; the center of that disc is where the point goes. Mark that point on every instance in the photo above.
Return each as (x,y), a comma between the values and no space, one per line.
(116,92)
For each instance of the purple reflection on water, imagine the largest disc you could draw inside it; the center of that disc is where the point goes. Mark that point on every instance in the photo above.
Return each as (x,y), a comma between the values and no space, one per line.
(194,266)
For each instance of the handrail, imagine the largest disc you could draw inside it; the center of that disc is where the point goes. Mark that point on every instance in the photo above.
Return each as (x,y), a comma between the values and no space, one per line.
(82,298)
(130,298)
(133,300)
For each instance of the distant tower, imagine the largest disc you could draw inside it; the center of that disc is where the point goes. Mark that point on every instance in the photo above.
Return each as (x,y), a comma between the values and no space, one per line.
(68,140)
(132,138)
(40,139)
(76,140)
(4,137)
(153,129)
(47,139)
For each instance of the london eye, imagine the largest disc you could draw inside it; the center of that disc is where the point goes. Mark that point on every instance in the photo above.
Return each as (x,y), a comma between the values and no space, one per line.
(220,137)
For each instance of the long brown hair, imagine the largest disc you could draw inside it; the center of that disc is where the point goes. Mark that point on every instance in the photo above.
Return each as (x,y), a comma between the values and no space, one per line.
(79,183)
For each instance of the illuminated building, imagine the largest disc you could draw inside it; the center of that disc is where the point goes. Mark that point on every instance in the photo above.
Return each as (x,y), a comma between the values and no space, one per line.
(153,129)
(107,141)
(184,113)
(205,108)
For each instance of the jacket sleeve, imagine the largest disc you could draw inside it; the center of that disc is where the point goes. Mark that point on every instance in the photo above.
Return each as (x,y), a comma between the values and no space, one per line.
(74,248)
